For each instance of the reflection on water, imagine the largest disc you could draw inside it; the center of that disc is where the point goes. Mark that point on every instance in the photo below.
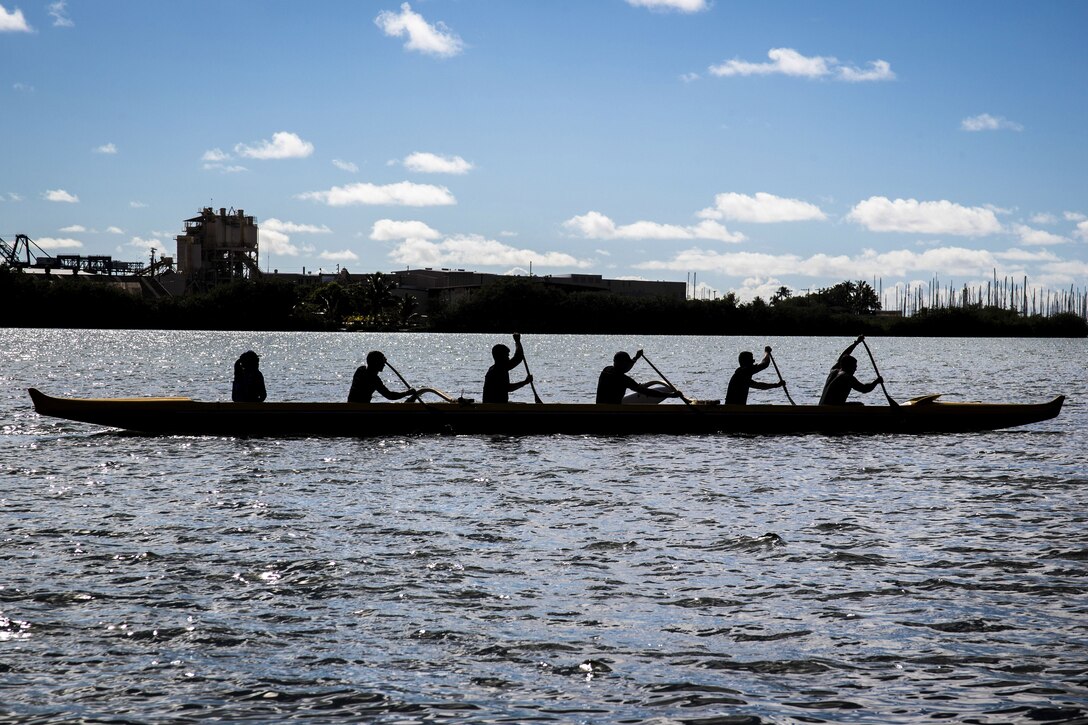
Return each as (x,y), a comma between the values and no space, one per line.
(706,579)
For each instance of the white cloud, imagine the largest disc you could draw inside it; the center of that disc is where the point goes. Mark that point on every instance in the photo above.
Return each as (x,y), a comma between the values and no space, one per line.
(106,148)
(437,39)
(1082,230)
(403,193)
(55,243)
(787,61)
(59,11)
(13,22)
(273,241)
(22,88)
(385,230)
(880,214)
(594,225)
(73,229)
(1074,216)
(473,250)
(147,245)
(763,208)
(957,261)
(284,145)
(274,236)
(293,228)
(986,122)
(690,77)
(1044,218)
(1022,255)
(427,163)
(114,230)
(877,70)
(12,196)
(344,255)
(137,205)
(1037,237)
(62,196)
(216,160)
(682,6)
(345,165)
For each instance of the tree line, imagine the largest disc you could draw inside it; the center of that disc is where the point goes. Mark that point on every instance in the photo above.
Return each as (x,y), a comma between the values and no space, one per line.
(524,304)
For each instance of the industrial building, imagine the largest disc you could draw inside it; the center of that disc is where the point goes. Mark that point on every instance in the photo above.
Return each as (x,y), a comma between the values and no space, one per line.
(217,248)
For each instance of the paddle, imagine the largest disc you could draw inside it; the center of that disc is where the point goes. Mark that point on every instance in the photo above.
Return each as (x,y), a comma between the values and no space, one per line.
(784,389)
(406,384)
(667,381)
(532,385)
(875,370)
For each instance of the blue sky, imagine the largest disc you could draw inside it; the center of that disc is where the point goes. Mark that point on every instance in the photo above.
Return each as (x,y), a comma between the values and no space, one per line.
(753,144)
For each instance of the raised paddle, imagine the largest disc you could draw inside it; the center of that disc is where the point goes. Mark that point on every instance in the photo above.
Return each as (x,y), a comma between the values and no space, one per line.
(784,389)
(532,385)
(875,370)
(406,384)
(667,381)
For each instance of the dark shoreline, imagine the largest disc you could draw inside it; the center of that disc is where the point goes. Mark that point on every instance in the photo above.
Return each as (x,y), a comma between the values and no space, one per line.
(522,305)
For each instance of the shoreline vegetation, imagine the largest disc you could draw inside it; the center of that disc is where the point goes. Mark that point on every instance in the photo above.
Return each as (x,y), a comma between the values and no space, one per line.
(523,304)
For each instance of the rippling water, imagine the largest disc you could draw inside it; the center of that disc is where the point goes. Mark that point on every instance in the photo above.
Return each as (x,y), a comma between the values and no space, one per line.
(707,579)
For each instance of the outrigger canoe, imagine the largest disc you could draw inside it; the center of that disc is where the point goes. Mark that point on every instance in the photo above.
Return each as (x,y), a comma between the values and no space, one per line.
(184,416)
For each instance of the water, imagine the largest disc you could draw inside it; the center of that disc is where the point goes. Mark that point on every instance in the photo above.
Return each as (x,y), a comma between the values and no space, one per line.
(661,579)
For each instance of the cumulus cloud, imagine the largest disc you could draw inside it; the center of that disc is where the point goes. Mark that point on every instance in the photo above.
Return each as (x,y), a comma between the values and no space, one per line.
(958,261)
(58,243)
(385,230)
(275,236)
(283,145)
(473,250)
(106,148)
(148,245)
(137,205)
(73,229)
(344,255)
(763,208)
(13,22)
(437,39)
(293,228)
(1074,216)
(880,214)
(403,193)
(594,225)
(1044,218)
(1037,237)
(682,6)
(986,122)
(876,70)
(427,163)
(789,62)
(1082,231)
(216,160)
(59,11)
(114,230)
(62,196)
(345,165)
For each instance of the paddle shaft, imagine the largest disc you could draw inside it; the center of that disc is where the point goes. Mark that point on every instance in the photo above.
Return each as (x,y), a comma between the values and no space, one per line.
(528,374)
(784,389)
(877,371)
(667,381)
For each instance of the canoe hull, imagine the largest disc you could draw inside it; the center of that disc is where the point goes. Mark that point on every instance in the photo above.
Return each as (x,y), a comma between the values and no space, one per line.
(182,416)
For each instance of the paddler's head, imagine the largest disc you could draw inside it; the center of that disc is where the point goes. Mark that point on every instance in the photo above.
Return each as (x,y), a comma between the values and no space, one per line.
(746,359)
(375,361)
(501,353)
(622,361)
(850,364)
